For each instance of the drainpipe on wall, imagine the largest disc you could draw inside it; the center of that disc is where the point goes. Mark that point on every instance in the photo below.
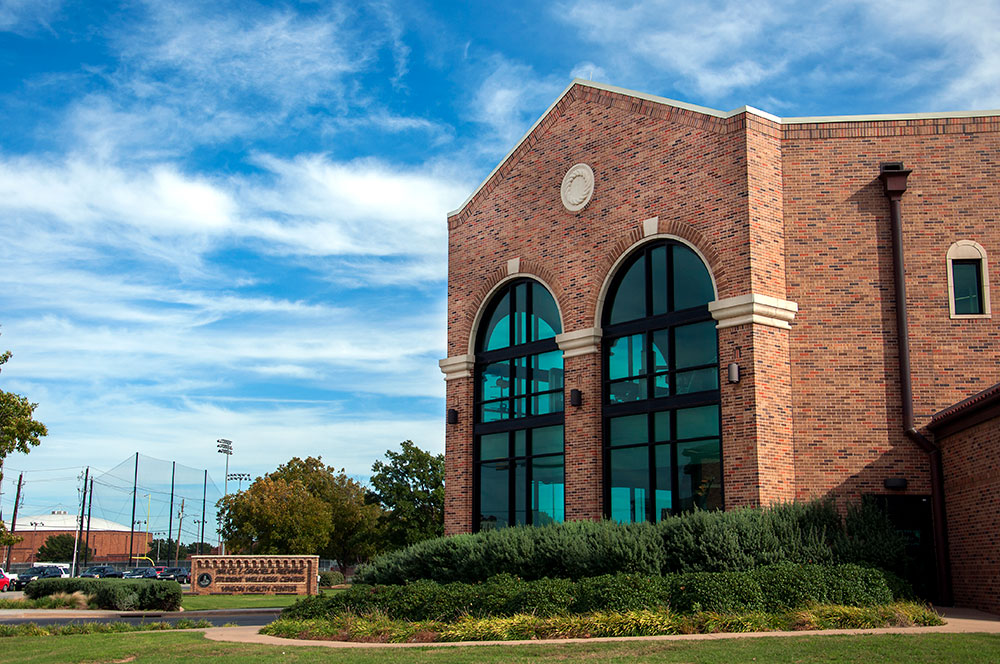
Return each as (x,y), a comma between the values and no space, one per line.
(893,177)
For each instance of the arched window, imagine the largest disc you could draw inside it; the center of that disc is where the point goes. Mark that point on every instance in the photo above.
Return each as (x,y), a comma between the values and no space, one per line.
(662,450)
(518,456)
(968,280)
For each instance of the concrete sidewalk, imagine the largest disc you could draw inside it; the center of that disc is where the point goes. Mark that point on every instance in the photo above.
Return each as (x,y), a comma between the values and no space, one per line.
(6,614)
(956,621)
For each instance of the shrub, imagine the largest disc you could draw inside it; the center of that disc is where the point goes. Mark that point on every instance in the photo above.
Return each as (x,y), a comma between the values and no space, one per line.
(116,594)
(330,578)
(771,588)
(737,540)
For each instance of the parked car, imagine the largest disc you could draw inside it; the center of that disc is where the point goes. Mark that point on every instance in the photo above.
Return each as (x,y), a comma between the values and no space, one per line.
(101,572)
(146,573)
(133,573)
(9,575)
(44,572)
(6,583)
(178,574)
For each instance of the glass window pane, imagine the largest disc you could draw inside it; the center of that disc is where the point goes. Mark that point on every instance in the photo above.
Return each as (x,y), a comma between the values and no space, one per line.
(494,505)
(494,446)
(629,430)
(520,486)
(494,381)
(695,344)
(698,380)
(627,390)
(521,313)
(658,271)
(661,425)
(547,490)
(661,385)
(699,475)
(661,350)
(547,403)
(547,372)
(520,408)
(627,357)
(629,478)
(547,440)
(496,334)
(628,302)
(520,442)
(692,283)
(545,321)
(663,495)
(520,374)
(967,280)
(494,411)
(697,422)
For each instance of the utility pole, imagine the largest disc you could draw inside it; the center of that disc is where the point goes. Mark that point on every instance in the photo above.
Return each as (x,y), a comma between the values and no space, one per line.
(90,508)
(79,522)
(131,534)
(13,521)
(204,497)
(170,512)
(180,522)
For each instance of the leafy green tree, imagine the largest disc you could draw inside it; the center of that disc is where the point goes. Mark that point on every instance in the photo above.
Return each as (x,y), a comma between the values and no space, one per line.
(163,549)
(353,522)
(198,548)
(59,548)
(274,516)
(19,432)
(409,486)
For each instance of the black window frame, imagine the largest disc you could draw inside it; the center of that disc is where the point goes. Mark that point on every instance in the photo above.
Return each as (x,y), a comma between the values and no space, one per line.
(980,294)
(511,425)
(652,404)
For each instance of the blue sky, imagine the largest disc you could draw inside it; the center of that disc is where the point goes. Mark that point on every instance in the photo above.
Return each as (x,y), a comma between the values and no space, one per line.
(227,219)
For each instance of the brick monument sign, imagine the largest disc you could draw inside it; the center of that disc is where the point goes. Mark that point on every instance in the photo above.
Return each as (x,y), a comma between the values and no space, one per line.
(257,575)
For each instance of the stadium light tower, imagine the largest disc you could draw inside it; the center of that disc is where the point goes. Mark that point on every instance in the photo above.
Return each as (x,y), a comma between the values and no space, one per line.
(240,477)
(225,446)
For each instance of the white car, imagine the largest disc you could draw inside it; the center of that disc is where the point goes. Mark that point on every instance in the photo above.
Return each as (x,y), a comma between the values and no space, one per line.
(9,575)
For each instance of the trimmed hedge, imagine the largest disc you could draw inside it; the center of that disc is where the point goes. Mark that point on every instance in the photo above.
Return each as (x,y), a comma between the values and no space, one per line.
(330,578)
(741,539)
(771,588)
(114,594)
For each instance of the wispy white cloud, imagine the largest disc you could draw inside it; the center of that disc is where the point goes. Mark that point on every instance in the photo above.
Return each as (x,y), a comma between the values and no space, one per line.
(27,16)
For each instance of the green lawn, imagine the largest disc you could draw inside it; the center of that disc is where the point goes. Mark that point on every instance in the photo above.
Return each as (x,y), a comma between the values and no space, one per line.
(203,602)
(157,648)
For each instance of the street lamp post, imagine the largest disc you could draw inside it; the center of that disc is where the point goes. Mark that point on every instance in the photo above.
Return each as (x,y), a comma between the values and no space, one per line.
(225,446)
(34,540)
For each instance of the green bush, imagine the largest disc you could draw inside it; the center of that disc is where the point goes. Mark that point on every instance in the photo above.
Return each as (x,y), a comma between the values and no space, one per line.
(330,578)
(770,588)
(737,540)
(114,594)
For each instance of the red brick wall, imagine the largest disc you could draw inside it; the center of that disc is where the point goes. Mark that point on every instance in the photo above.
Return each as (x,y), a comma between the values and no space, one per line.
(972,493)
(794,212)
(107,546)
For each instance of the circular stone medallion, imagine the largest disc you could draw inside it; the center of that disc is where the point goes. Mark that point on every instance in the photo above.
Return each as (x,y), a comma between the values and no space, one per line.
(577,187)
(204,579)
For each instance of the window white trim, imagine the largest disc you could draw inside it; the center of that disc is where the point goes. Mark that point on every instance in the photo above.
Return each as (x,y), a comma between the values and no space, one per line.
(968,250)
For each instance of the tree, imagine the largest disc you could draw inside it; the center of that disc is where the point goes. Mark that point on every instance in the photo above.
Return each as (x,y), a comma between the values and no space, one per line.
(163,549)
(410,488)
(19,432)
(353,522)
(59,548)
(274,516)
(197,548)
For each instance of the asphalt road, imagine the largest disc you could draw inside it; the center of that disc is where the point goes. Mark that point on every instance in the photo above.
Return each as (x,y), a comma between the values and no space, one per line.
(241,617)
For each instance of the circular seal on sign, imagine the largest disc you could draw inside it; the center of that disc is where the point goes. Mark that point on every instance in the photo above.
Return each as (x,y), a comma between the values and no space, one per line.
(577,187)
(204,579)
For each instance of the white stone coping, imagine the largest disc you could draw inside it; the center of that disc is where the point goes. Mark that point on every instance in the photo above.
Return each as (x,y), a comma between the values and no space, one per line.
(579,342)
(457,366)
(753,308)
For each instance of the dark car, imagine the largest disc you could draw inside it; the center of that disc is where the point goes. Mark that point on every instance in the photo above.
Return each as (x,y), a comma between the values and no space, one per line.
(178,574)
(101,572)
(147,573)
(47,572)
(134,573)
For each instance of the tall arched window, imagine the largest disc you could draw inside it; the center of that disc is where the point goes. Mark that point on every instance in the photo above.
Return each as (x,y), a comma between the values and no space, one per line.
(662,451)
(519,468)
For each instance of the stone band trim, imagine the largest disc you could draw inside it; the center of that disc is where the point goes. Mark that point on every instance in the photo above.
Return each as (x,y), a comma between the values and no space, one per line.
(458,366)
(579,342)
(753,308)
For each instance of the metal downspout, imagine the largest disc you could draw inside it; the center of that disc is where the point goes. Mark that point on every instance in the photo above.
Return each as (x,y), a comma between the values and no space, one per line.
(893,177)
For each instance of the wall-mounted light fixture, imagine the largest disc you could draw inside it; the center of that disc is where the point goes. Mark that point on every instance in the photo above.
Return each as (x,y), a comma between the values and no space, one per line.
(895,483)
(452,416)
(575,398)
(734,372)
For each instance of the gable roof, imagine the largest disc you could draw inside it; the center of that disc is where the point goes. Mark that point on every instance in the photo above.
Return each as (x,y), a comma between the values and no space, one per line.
(643,98)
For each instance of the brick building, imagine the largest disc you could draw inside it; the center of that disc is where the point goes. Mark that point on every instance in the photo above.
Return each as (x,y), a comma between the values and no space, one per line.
(654,306)
(108,540)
